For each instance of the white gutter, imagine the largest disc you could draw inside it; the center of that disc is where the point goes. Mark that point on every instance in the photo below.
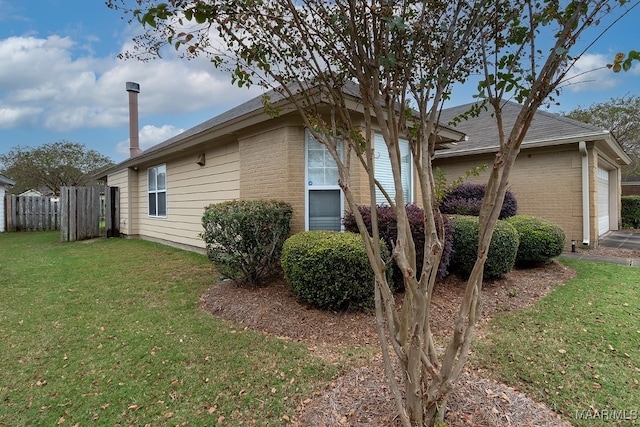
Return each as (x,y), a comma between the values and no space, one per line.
(582,146)
(537,143)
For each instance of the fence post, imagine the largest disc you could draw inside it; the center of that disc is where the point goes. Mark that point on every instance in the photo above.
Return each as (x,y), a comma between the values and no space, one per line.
(64,214)
(10,211)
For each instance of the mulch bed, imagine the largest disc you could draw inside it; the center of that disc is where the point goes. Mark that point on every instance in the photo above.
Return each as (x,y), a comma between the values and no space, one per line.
(361,397)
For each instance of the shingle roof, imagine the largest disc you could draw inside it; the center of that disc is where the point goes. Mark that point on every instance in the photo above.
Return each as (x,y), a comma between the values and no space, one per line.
(250,107)
(546,127)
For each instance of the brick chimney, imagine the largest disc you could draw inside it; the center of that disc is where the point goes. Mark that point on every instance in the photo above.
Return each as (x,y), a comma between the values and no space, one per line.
(134,141)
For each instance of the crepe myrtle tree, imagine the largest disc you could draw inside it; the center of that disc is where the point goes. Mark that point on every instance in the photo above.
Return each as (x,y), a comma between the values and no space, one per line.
(624,61)
(401,59)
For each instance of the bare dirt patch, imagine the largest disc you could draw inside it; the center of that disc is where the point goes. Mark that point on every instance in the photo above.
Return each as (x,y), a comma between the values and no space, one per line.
(361,396)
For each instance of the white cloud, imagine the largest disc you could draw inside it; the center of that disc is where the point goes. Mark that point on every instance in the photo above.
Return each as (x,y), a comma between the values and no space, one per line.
(149,136)
(591,73)
(21,115)
(56,85)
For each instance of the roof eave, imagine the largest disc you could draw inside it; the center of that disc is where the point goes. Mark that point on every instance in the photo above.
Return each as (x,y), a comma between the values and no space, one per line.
(541,143)
(6,181)
(223,130)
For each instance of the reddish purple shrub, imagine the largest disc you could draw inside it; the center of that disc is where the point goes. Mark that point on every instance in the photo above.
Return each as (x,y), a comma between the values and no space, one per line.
(466,199)
(389,233)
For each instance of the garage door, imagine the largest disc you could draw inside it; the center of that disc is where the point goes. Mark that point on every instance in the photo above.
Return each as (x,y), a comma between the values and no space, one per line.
(603,201)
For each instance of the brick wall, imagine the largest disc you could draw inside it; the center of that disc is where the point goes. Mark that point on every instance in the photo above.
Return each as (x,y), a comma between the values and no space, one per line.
(546,184)
(272,167)
(630,189)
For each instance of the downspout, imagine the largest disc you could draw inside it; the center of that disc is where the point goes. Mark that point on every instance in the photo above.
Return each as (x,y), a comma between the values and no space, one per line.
(582,146)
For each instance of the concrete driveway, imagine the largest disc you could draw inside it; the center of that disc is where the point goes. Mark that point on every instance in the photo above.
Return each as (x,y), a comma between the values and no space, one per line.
(620,240)
(613,239)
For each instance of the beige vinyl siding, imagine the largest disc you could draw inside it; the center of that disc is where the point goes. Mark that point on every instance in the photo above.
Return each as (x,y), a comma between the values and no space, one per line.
(190,187)
(546,184)
(119,179)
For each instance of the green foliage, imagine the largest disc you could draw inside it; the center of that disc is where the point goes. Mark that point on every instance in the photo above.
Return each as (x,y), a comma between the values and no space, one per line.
(623,62)
(51,166)
(502,250)
(330,270)
(631,212)
(540,240)
(244,237)
(621,117)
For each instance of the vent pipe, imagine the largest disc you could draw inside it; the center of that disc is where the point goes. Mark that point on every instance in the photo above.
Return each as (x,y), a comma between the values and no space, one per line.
(134,140)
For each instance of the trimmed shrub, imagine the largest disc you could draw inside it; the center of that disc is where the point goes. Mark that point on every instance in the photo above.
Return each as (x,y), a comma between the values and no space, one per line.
(244,237)
(540,240)
(466,199)
(389,233)
(631,212)
(330,270)
(502,250)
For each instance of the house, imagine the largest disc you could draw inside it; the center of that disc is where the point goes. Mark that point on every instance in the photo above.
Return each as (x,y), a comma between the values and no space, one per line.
(5,183)
(31,193)
(246,153)
(567,172)
(243,153)
(631,186)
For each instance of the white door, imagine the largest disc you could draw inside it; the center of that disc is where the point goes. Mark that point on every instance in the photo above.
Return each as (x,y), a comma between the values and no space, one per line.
(603,201)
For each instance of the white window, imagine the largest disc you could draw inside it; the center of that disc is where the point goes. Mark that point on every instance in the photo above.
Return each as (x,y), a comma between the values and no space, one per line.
(324,203)
(384,174)
(157,186)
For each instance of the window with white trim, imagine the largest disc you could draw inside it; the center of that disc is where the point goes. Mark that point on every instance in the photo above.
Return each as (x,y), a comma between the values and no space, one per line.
(384,173)
(324,200)
(157,191)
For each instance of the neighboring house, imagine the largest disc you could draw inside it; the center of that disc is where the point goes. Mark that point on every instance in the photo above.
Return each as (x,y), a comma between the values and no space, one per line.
(45,193)
(567,172)
(5,183)
(31,193)
(243,153)
(631,186)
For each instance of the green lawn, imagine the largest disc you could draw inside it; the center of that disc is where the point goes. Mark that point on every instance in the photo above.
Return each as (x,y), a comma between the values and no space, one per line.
(577,350)
(110,332)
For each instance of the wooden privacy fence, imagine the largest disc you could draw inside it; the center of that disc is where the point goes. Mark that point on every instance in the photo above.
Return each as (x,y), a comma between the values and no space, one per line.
(80,213)
(85,210)
(32,213)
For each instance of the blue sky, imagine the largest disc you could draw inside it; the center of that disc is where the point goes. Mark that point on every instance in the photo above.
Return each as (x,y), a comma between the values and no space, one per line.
(60,79)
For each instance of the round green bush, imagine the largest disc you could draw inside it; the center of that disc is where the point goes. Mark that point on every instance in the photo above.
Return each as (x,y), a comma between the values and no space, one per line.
(330,270)
(502,250)
(244,238)
(630,212)
(540,240)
